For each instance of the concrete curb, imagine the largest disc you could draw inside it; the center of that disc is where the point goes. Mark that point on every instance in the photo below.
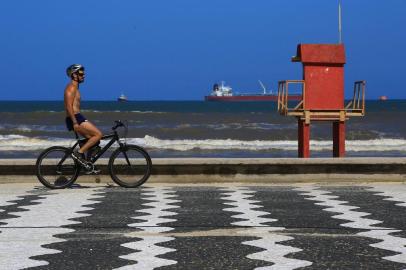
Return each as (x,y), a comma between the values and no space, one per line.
(281,170)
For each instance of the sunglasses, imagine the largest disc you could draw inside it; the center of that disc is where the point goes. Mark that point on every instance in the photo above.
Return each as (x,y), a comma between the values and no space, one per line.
(81,74)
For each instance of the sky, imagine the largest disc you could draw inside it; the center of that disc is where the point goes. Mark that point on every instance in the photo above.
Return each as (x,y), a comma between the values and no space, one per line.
(176,50)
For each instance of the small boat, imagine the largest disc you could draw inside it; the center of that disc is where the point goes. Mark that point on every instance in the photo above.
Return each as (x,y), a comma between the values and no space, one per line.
(122,98)
(383,98)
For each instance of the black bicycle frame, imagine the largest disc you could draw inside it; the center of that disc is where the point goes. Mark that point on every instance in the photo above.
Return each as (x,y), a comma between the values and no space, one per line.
(114,138)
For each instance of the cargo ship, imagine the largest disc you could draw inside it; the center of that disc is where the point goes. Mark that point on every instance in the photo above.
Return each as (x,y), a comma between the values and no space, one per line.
(222,92)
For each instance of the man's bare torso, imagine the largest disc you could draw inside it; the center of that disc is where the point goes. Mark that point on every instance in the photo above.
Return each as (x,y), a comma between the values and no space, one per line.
(76,98)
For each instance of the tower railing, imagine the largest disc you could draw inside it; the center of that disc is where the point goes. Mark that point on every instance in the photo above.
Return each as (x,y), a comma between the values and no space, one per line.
(283,97)
(356,106)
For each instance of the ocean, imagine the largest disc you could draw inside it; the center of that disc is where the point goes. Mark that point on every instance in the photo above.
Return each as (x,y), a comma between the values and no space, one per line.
(202,129)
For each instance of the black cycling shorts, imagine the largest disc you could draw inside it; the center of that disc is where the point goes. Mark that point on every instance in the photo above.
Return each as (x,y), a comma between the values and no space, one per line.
(79,118)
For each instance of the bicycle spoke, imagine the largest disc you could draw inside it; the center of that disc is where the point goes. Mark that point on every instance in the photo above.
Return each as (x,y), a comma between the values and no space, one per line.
(56,168)
(130,166)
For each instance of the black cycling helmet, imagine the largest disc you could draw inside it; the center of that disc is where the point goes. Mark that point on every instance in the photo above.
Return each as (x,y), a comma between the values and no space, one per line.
(73,69)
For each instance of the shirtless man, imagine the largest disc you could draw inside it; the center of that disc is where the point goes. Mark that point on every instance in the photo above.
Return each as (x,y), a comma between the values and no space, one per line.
(74,119)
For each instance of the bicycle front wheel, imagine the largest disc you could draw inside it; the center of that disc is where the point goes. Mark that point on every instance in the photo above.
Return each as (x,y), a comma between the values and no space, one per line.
(130,166)
(55,167)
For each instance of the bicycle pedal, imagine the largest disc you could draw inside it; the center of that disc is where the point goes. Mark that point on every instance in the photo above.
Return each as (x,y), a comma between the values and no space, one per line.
(94,171)
(88,166)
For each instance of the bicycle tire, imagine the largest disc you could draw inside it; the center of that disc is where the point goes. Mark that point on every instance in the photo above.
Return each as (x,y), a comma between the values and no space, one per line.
(54,175)
(139,164)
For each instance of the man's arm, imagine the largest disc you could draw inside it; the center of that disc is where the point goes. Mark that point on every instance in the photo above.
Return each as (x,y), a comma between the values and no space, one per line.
(69,98)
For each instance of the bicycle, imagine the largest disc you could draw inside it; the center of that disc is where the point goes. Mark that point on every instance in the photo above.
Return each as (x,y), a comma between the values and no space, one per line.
(129,165)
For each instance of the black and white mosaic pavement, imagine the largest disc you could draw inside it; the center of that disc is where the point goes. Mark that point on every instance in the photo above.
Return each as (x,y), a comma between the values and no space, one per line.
(207,227)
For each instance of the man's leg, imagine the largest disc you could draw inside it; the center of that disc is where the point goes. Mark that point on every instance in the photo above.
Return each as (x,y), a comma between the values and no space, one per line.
(91,132)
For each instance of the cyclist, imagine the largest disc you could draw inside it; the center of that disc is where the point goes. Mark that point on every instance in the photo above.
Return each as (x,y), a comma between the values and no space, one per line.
(74,119)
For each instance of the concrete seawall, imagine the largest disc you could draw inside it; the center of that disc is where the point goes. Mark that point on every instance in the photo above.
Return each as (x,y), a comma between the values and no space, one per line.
(205,170)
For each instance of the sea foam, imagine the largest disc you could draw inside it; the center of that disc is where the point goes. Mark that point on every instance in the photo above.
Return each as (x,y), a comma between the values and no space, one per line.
(24,143)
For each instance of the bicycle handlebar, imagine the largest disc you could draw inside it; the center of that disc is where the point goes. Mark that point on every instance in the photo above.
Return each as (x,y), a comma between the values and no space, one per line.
(118,124)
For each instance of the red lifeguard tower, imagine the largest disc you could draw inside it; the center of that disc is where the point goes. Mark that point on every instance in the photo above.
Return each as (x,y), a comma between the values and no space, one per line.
(322,94)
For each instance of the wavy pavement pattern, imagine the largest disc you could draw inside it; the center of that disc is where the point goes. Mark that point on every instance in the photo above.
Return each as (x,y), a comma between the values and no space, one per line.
(359,221)
(23,237)
(273,252)
(10,194)
(148,249)
(394,193)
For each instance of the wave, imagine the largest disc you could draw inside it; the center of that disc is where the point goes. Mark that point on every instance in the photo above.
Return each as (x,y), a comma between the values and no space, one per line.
(24,143)
(253,126)
(141,112)
(10,128)
(376,145)
(44,130)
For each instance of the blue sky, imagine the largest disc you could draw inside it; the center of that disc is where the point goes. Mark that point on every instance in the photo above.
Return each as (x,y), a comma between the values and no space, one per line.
(176,50)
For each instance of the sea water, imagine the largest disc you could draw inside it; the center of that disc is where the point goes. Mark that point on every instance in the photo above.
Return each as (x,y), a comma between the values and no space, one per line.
(201,129)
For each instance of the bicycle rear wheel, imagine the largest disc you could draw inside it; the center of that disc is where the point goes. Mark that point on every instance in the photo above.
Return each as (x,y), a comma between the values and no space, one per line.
(130,166)
(55,167)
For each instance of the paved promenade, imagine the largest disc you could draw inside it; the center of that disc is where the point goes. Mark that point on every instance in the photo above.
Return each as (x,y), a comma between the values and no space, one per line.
(227,226)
